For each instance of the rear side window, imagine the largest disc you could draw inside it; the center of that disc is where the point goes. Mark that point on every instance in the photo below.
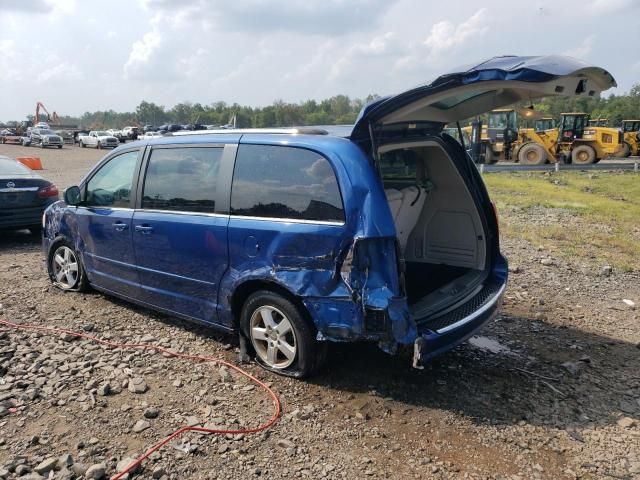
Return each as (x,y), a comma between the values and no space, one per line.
(285,182)
(182,179)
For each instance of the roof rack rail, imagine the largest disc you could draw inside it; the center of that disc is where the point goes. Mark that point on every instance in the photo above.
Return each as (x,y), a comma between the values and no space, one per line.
(282,131)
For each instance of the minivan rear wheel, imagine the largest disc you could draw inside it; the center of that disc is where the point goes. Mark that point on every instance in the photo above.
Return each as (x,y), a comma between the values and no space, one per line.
(281,336)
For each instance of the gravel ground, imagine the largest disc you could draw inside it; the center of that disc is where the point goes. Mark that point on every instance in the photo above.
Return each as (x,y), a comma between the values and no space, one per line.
(551,388)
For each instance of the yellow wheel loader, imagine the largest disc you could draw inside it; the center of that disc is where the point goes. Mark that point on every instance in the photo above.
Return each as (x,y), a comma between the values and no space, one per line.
(598,122)
(498,135)
(631,138)
(572,142)
(545,123)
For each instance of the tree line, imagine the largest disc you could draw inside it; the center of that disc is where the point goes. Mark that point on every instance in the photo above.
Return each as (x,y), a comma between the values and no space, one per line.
(340,109)
(337,110)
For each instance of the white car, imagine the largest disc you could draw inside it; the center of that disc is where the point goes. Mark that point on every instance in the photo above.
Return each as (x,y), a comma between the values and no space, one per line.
(150,135)
(129,133)
(114,132)
(98,139)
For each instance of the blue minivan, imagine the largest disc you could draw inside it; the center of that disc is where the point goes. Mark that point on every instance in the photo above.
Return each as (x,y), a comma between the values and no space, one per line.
(383,232)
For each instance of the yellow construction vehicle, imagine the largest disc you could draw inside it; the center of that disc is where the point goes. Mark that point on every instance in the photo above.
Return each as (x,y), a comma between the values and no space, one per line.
(545,123)
(598,122)
(572,142)
(498,135)
(631,138)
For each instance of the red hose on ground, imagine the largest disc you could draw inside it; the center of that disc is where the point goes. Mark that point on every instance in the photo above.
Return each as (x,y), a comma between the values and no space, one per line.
(276,401)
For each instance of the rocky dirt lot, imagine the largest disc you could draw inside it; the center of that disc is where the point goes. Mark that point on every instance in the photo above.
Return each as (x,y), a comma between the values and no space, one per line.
(550,390)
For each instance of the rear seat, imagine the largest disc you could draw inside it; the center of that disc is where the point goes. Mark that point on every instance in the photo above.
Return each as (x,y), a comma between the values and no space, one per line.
(406,206)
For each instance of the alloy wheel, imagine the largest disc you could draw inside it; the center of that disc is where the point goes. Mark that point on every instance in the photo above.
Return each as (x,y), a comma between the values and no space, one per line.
(65,267)
(273,337)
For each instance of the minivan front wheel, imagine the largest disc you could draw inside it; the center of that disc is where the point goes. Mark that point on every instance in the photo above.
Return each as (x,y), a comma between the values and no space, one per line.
(65,267)
(282,338)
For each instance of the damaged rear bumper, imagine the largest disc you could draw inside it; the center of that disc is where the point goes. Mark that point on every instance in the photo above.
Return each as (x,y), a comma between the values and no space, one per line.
(447,331)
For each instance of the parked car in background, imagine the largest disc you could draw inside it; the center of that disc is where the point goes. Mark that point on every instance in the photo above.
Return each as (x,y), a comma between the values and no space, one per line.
(78,134)
(170,127)
(42,137)
(149,128)
(114,132)
(44,125)
(295,237)
(98,139)
(129,133)
(149,135)
(24,196)
(193,127)
(66,135)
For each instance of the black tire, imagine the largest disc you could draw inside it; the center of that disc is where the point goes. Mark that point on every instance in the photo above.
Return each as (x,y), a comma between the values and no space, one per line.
(82,145)
(583,155)
(626,150)
(309,353)
(59,146)
(532,154)
(99,146)
(489,156)
(81,283)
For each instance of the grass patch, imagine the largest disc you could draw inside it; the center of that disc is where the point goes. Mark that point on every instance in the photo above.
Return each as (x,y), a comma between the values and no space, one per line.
(592,216)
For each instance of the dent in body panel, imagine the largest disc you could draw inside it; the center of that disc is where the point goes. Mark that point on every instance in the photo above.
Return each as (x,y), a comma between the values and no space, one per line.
(337,272)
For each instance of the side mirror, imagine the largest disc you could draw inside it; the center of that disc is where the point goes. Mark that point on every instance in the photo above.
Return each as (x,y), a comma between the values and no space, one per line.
(72,196)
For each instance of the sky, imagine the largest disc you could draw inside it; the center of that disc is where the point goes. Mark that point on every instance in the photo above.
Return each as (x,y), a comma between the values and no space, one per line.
(85,56)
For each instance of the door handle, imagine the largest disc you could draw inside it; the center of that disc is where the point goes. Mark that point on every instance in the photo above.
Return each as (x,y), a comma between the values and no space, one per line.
(144,229)
(119,226)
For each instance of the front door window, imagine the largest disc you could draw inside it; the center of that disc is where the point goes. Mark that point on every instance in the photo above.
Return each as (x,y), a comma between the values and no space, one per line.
(111,185)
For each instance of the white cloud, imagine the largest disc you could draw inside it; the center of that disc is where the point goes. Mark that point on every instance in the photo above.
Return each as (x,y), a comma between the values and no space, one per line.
(61,72)
(255,51)
(443,40)
(63,7)
(380,45)
(583,50)
(9,62)
(336,17)
(142,53)
(603,7)
(445,35)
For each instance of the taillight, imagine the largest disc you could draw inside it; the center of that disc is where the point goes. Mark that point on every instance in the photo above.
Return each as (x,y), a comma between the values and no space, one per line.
(48,192)
(495,213)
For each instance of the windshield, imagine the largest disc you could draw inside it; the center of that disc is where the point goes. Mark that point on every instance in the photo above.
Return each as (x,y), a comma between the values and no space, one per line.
(102,134)
(501,120)
(46,132)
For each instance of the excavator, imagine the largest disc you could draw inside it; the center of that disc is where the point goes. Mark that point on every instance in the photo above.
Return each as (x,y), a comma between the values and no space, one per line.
(574,141)
(50,117)
(631,138)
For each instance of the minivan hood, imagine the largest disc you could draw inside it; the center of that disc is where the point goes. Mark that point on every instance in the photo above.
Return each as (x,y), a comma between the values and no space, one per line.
(471,90)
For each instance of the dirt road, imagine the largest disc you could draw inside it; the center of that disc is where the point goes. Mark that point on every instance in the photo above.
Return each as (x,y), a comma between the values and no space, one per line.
(551,389)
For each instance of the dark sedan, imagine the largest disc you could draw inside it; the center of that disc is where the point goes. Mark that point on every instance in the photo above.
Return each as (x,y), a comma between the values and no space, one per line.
(24,196)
